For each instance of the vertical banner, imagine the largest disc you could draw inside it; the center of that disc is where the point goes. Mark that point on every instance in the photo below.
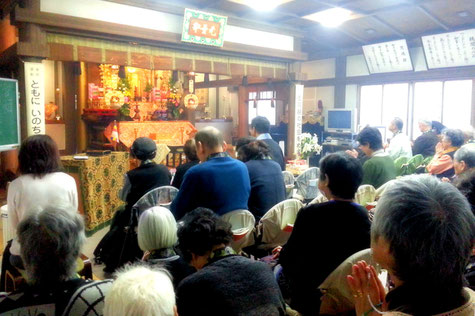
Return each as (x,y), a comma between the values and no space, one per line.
(298,114)
(35,98)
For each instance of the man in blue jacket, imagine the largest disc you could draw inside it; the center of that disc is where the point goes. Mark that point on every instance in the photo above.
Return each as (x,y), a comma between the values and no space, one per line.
(219,182)
(260,127)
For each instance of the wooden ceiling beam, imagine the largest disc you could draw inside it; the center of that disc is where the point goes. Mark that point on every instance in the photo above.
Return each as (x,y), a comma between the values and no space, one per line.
(212,4)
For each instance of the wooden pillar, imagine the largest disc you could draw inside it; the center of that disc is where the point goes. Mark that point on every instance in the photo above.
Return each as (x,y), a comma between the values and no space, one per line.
(340,87)
(9,163)
(82,104)
(243,115)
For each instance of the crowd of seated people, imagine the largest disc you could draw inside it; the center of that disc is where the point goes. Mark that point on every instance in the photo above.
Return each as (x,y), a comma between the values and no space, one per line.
(185,265)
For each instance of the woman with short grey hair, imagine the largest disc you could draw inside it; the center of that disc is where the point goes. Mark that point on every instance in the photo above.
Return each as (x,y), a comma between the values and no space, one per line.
(50,244)
(157,236)
(422,234)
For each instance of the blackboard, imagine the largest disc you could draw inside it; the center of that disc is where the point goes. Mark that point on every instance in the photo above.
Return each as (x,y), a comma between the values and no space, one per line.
(9,115)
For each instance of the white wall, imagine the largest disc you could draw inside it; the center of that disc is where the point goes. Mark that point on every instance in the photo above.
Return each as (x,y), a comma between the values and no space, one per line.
(311,95)
(319,69)
(351,96)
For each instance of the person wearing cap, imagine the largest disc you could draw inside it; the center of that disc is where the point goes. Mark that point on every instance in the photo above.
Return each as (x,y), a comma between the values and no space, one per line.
(145,177)
(425,144)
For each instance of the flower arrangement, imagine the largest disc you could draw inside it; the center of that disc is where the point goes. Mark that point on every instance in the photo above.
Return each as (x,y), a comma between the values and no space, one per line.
(173,101)
(307,145)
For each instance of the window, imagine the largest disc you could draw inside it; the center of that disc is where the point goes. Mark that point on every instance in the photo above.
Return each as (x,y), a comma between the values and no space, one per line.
(457,103)
(395,101)
(262,106)
(370,106)
(427,104)
(449,102)
(381,103)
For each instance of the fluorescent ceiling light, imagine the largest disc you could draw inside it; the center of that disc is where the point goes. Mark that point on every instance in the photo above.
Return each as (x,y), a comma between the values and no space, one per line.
(332,17)
(262,5)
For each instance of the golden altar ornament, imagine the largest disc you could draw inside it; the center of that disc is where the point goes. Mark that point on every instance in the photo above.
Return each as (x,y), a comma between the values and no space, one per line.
(191,101)
(114,99)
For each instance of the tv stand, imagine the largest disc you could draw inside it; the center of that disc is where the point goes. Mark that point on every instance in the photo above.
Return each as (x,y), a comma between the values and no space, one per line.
(335,141)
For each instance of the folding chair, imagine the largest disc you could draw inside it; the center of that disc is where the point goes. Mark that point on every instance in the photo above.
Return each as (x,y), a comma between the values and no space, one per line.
(242,225)
(276,225)
(307,184)
(161,196)
(289,181)
(365,194)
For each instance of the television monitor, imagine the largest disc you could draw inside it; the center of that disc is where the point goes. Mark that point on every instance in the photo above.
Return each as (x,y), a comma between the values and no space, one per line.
(452,49)
(387,57)
(339,120)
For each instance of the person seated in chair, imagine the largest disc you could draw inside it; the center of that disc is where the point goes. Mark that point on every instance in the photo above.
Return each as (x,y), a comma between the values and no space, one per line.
(226,283)
(464,160)
(399,145)
(141,291)
(425,143)
(219,182)
(260,128)
(379,168)
(156,233)
(50,245)
(423,234)
(325,234)
(442,164)
(267,181)
(190,153)
(145,177)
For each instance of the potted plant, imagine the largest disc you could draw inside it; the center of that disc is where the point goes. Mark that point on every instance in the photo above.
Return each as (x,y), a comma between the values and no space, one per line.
(308,146)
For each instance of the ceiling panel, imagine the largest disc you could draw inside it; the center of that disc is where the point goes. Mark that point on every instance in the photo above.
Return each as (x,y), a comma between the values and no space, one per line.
(300,23)
(448,11)
(330,37)
(411,20)
(372,5)
(232,7)
(303,7)
(368,28)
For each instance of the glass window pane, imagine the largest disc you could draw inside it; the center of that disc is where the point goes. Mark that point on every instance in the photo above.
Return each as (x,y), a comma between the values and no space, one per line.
(457,103)
(427,103)
(395,98)
(370,105)
(264,108)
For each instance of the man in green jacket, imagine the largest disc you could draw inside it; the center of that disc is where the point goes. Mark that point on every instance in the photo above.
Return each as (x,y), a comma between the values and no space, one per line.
(379,168)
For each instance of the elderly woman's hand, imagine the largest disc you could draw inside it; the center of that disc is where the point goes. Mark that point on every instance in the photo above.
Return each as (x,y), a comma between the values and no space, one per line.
(365,285)
(353,153)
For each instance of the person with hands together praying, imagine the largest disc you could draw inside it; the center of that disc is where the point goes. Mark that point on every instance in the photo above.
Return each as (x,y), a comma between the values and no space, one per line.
(423,234)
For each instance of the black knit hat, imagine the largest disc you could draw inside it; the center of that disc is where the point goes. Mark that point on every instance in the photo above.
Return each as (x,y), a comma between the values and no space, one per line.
(144,148)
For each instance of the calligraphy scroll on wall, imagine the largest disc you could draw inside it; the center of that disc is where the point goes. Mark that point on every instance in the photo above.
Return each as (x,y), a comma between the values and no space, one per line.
(387,57)
(453,49)
(35,98)
(298,114)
